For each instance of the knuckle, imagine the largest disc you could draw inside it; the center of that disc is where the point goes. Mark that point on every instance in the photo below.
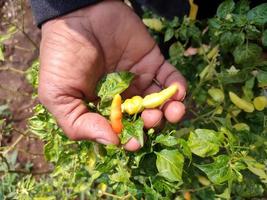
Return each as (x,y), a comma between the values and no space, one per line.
(73,136)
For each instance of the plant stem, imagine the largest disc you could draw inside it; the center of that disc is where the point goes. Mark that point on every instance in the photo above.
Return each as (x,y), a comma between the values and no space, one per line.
(11,147)
(12,69)
(116,196)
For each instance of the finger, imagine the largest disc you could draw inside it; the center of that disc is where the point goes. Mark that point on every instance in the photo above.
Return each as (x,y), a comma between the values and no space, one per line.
(76,121)
(138,85)
(144,71)
(152,117)
(174,111)
(131,91)
(132,145)
(151,89)
(167,75)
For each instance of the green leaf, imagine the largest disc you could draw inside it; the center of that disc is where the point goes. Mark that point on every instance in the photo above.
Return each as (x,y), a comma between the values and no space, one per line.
(256,168)
(240,21)
(153,23)
(133,129)
(258,15)
(225,195)
(166,140)
(252,32)
(262,78)
(238,77)
(225,8)
(11,30)
(32,73)
(170,164)
(176,50)
(204,142)
(122,175)
(264,38)
(248,189)
(113,83)
(162,185)
(242,7)
(230,40)
(185,148)
(248,88)
(247,54)
(219,171)
(2,58)
(229,136)
(168,34)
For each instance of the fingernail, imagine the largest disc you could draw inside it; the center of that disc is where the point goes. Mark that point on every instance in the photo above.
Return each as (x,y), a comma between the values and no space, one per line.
(103,141)
(183,97)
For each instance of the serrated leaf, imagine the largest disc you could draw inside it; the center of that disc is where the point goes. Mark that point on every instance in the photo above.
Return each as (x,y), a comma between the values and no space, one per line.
(230,40)
(248,188)
(219,171)
(166,140)
(204,142)
(170,164)
(258,14)
(122,175)
(113,83)
(247,54)
(133,129)
(256,168)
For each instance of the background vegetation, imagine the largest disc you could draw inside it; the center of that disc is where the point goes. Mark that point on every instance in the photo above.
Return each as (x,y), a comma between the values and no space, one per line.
(218,151)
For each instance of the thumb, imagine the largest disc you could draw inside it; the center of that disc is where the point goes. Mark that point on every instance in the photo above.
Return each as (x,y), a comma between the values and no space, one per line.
(80,124)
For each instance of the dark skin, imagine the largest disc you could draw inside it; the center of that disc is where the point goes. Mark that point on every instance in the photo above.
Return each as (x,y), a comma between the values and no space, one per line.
(79,48)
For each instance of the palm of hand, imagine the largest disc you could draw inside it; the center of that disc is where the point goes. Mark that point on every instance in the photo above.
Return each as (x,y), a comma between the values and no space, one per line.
(79,48)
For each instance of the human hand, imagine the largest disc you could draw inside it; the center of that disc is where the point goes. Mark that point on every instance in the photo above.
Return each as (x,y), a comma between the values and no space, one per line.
(79,48)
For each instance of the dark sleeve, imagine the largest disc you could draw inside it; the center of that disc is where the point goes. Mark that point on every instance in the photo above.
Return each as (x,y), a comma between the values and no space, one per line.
(45,10)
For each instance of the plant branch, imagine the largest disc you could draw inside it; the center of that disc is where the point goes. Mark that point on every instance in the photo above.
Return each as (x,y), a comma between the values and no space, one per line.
(11,147)
(12,69)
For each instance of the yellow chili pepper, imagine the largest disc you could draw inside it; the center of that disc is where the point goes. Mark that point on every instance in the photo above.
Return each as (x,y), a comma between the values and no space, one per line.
(116,114)
(241,103)
(133,105)
(260,103)
(156,99)
(193,10)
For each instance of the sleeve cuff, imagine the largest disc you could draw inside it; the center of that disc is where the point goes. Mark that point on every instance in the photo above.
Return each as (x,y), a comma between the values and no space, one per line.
(44,10)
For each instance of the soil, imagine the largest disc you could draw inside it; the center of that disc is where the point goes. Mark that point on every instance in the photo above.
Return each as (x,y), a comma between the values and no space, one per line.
(15,91)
